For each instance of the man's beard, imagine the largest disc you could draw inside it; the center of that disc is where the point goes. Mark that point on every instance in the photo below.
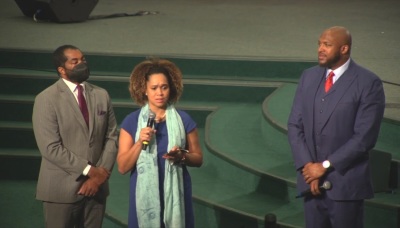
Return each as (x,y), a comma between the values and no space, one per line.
(332,61)
(79,73)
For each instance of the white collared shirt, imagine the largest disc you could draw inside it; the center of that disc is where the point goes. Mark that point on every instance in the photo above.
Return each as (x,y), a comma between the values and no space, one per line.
(74,89)
(339,71)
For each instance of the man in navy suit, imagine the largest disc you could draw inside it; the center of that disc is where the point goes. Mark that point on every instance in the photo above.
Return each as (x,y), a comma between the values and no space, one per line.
(331,130)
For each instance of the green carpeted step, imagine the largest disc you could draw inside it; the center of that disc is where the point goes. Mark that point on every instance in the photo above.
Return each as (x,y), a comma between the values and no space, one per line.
(19,152)
(117,87)
(388,139)
(276,108)
(19,164)
(16,108)
(225,93)
(381,216)
(208,68)
(219,183)
(25,84)
(237,134)
(33,84)
(17,135)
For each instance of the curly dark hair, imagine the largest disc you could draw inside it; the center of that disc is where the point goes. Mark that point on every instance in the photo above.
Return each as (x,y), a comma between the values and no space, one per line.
(142,71)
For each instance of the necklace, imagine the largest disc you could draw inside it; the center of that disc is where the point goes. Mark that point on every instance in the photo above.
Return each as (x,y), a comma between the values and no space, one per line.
(160,118)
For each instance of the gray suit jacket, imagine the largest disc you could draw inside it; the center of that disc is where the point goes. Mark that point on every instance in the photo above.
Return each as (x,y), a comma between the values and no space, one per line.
(67,145)
(348,129)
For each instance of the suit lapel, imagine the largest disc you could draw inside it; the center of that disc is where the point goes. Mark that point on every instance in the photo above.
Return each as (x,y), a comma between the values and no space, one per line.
(314,86)
(91,101)
(338,90)
(70,101)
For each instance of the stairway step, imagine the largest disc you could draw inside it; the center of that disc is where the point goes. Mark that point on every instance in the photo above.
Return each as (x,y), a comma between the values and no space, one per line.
(11,161)
(230,68)
(12,152)
(257,151)
(17,135)
(242,200)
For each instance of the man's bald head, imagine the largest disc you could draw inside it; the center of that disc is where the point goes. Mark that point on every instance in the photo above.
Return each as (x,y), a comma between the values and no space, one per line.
(334,47)
(341,34)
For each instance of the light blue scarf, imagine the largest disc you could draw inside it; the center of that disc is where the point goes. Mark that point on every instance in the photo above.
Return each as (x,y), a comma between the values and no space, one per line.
(147,186)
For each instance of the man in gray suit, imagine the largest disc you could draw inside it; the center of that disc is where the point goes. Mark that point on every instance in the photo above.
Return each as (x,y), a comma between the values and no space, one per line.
(334,123)
(75,130)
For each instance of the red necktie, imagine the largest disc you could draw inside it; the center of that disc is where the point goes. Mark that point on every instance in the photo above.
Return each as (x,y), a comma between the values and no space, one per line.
(82,104)
(329,81)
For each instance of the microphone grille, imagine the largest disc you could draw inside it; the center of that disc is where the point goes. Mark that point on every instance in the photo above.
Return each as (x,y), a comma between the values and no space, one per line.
(327,185)
(152,115)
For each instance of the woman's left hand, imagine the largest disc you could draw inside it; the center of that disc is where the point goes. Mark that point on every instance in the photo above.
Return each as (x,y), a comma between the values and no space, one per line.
(175,155)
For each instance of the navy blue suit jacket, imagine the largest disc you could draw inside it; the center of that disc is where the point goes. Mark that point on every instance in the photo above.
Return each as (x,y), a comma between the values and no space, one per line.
(349,129)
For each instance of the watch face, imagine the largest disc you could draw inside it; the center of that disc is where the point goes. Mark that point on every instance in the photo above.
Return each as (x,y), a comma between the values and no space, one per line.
(326,164)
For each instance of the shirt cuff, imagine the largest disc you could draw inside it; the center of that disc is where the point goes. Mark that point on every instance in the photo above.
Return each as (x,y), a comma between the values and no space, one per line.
(86,170)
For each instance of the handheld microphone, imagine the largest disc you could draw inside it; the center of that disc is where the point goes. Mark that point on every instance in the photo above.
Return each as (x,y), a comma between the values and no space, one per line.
(325,186)
(150,123)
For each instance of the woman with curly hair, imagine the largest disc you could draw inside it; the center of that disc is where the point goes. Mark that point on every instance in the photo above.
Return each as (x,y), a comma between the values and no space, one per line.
(156,155)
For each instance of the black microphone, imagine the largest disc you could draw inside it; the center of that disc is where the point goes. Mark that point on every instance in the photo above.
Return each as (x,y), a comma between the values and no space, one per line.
(150,123)
(325,186)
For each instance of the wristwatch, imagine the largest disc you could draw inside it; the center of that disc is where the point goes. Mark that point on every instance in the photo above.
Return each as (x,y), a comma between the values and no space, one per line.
(326,164)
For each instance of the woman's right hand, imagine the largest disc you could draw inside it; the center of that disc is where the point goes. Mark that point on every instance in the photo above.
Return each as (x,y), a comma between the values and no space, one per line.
(146,134)
(129,150)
